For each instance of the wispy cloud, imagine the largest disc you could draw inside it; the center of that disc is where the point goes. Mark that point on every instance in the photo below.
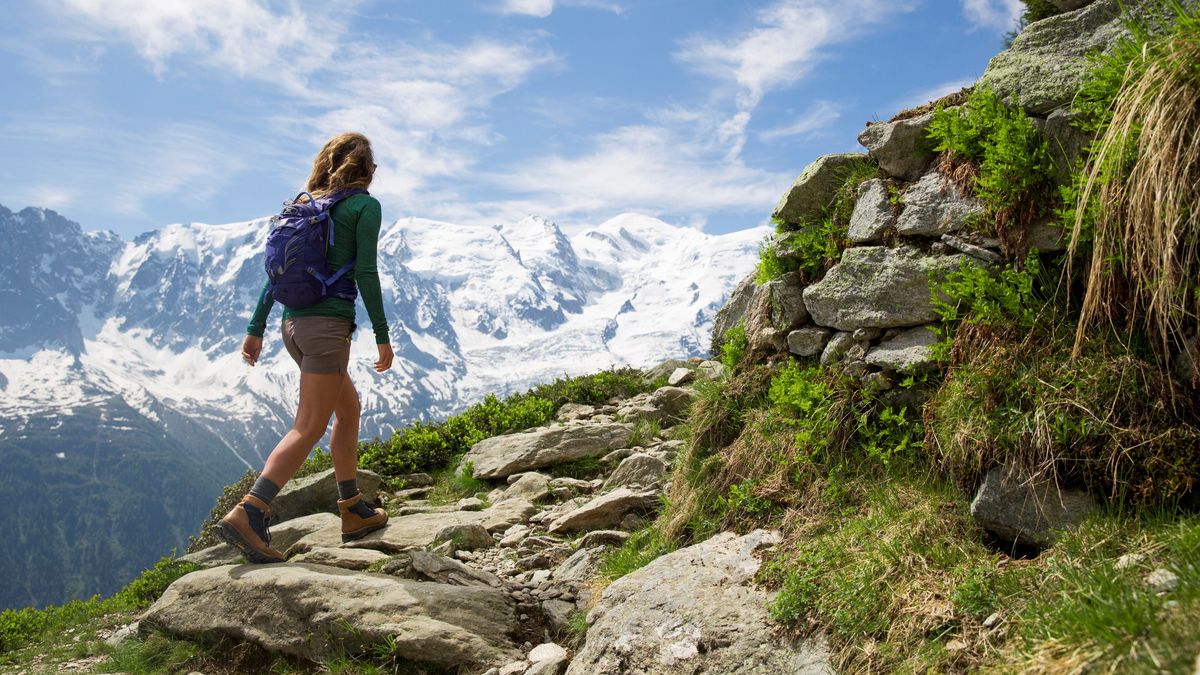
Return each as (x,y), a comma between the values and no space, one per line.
(422,101)
(997,15)
(819,116)
(544,8)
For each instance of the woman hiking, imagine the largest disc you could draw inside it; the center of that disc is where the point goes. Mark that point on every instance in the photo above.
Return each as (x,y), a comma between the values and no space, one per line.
(318,339)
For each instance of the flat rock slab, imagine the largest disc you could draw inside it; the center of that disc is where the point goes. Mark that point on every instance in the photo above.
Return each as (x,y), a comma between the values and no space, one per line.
(639,469)
(502,456)
(934,206)
(346,558)
(420,530)
(318,493)
(907,351)
(872,214)
(665,404)
(312,611)
(878,287)
(696,610)
(814,189)
(1027,512)
(605,511)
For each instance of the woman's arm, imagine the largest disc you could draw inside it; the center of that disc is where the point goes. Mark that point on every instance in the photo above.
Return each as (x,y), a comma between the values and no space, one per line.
(252,344)
(366,274)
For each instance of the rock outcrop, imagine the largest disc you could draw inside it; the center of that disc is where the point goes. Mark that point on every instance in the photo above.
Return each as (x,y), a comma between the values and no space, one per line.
(502,456)
(695,610)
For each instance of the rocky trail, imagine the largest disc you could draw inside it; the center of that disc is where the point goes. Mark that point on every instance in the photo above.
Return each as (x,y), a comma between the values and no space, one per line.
(498,583)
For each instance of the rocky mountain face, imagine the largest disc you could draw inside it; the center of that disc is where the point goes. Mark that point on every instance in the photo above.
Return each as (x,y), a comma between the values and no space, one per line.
(144,335)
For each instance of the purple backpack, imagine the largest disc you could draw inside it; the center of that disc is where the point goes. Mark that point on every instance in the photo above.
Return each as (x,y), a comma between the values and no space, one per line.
(296,253)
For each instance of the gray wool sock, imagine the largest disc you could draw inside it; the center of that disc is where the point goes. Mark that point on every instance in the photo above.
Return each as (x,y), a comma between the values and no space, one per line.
(347,488)
(264,489)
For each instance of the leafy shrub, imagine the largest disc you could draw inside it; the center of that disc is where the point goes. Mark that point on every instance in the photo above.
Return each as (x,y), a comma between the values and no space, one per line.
(990,295)
(734,346)
(1016,174)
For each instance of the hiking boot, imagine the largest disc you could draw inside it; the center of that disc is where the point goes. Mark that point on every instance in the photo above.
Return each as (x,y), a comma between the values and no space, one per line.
(245,526)
(358,519)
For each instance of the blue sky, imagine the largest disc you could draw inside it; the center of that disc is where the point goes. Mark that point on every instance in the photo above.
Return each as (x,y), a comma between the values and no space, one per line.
(132,114)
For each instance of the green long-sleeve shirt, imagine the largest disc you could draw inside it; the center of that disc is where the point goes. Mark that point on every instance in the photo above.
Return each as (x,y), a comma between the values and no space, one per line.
(356,222)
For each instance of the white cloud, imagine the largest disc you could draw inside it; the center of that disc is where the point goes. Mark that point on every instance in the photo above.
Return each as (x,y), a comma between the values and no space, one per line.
(538,8)
(819,116)
(785,43)
(998,15)
(422,102)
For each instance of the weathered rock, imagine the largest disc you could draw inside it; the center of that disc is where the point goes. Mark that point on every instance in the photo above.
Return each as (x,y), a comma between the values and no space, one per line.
(558,613)
(787,302)
(808,341)
(547,659)
(311,611)
(762,337)
(734,311)
(1027,512)
(430,567)
(872,214)
(1067,142)
(836,348)
(1162,580)
(681,376)
(814,189)
(880,287)
(414,480)
(603,538)
(1046,64)
(579,567)
(605,511)
(465,537)
(666,404)
(1070,5)
(345,558)
(934,206)
(901,148)
(910,350)
(213,556)
(514,536)
(283,535)
(978,252)
(1046,237)
(318,493)
(502,456)
(419,530)
(530,486)
(663,369)
(570,412)
(638,469)
(696,610)
(711,370)
(412,494)
(469,504)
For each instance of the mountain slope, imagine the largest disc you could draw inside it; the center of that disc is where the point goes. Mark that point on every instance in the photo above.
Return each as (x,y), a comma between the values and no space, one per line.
(94,329)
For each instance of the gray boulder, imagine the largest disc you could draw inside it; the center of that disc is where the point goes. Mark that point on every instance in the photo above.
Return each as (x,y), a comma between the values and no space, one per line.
(579,567)
(663,369)
(1027,512)
(1070,5)
(934,206)
(733,313)
(910,350)
(283,536)
(464,537)
(697,610)
(639,469)
(902,147)
(426,566)
(878,287)
(606,511)
(311,611)
(1067,142)
(711,370)
(318,493)
(808,341)
(502,456)
(836,348)
(681,376)
(1046,64)
(872,213)
(530,486)
(666,404)
(814,189)
(570,412)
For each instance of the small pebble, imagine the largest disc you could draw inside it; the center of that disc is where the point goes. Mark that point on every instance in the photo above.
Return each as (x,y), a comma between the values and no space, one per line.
(1162,580)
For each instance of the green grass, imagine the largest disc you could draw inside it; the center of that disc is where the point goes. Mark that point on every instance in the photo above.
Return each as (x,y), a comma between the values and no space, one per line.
(733,346)
(451,485)
(641,549)
(644,432)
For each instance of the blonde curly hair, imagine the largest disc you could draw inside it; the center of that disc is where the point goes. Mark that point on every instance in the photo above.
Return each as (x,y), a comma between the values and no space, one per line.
(346,161)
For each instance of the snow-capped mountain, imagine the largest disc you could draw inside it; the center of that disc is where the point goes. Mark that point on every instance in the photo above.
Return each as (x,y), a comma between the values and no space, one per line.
(125,407)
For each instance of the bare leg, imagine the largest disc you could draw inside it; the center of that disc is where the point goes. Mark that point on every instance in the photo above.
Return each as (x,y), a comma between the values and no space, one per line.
(319,393)
(343,441)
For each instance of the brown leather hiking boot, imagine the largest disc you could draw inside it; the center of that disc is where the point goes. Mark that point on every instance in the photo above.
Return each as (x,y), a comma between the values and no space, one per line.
(246,528)
(358,519)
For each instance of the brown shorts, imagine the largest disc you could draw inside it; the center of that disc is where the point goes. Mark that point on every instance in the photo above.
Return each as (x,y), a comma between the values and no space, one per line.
(319,344)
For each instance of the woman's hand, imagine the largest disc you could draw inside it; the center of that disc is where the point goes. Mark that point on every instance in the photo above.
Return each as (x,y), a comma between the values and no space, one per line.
(385,357)
(251,348)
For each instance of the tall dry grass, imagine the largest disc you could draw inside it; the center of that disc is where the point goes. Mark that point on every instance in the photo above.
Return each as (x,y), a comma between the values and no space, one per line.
(1143,182)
